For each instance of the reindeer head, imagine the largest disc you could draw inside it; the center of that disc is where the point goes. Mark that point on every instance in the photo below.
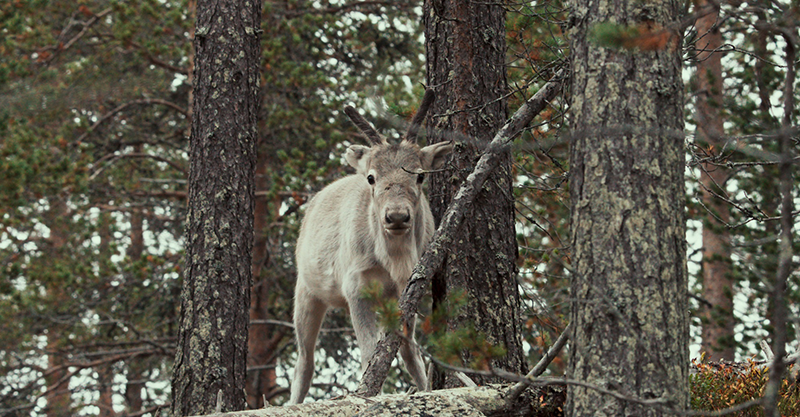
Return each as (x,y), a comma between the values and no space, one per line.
(396,171)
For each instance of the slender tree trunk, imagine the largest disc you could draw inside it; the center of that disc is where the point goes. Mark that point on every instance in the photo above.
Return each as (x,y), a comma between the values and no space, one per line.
(769,189)
(717,315)
(210,364)
(58,394)
(263,340)
(133,388)
(57,379)
(105,401)
(465,42)
(105,372)
(785,255)
(629,285)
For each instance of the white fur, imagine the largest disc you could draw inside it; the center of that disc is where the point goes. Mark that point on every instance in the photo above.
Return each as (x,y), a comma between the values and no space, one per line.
(345,242)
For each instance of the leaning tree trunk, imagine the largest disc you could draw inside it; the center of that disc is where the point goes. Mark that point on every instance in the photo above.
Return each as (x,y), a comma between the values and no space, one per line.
(210,364)
(465,43)
(629,285)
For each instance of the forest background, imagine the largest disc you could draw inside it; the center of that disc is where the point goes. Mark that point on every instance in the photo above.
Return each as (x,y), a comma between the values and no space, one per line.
(94,124)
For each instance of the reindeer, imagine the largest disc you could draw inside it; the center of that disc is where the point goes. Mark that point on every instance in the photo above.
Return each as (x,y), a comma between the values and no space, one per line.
(371,226)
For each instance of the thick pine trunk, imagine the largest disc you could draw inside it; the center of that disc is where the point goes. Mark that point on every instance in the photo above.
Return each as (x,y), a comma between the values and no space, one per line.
(210,364)
(629,285)
(465,42)
(717,315)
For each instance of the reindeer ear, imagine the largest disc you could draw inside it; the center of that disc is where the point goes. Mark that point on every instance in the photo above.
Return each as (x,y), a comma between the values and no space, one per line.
(356,156)
(433,156)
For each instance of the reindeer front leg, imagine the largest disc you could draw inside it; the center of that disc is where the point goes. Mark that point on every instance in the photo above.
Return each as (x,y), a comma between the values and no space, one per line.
(362,315)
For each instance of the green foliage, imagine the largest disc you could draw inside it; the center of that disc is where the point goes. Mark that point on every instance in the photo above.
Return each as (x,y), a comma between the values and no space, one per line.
(93,113)
(646,36)
(716,387)
(537,47)
(447,344)
(612,34)
(94,97)
(387,309)
(752,112)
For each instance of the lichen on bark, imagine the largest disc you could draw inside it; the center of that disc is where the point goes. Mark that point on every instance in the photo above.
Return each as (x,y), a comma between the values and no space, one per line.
(212,341)
(629,283)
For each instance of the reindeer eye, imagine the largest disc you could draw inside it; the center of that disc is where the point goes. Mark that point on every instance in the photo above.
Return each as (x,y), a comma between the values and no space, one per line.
(420,178)
(371,179)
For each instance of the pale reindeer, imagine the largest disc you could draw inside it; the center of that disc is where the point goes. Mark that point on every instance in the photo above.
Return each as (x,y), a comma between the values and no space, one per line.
(371,226)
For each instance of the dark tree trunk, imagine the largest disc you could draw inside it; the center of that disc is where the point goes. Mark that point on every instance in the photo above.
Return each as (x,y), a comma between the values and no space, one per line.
(57,377)
(210,363)
(717,315)
(133,389)
(465,42)
(629,285)
(263,340)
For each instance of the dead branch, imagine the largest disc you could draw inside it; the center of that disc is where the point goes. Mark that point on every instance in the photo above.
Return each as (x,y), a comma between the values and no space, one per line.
(121,107)
(118,157)
(63,46)
(541,365)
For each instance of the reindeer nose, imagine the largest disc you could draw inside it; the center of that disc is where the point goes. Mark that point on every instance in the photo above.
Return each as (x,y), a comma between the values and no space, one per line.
(397,219)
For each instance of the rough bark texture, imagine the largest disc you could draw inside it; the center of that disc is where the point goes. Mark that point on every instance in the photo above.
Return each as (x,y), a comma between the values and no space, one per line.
(465,43)
(629,285)
(717,315)
(480,401)
(212,342)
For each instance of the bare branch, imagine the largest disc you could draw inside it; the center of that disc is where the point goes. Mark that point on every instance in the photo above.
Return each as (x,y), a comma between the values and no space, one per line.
(345,8)
(122,107)
(157,62)
(537,370)
(62,46)
(116,158)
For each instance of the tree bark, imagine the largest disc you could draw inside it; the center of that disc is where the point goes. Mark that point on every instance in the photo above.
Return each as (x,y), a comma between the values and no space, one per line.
(210,364)
(717,315)
(629,285)
(465,44)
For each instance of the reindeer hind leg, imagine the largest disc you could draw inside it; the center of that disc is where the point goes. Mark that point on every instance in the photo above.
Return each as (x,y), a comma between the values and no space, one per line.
(308,314)
(412,358)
